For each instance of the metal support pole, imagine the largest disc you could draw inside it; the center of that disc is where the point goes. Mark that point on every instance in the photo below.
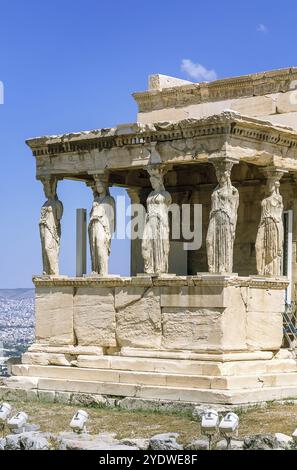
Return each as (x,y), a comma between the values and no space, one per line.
(81,242)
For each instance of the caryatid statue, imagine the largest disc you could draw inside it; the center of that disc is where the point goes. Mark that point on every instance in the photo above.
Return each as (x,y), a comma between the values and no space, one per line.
(155,242)
(270,236)
(222,220)
(50,227)
(102,225)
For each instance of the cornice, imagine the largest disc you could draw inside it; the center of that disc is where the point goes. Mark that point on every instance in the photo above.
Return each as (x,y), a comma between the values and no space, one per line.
(274,81)
(161,281)
(228,123)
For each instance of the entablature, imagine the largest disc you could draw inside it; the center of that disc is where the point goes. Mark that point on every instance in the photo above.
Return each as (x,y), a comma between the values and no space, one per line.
(134,146)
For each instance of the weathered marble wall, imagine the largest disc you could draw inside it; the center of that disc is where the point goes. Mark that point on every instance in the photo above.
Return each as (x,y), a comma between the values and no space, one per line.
(273,102)
(209,313)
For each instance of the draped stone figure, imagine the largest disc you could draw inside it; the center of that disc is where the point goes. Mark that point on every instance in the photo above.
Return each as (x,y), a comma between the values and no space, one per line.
(50,227)
(101,226)
(222,221)
(155,242)
(270,236)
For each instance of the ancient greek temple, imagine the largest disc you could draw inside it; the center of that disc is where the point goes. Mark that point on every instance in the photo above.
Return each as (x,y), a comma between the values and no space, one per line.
(200,325)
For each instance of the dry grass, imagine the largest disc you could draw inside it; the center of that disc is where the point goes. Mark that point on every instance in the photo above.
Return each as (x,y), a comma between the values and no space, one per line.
(56,417)
(274,418)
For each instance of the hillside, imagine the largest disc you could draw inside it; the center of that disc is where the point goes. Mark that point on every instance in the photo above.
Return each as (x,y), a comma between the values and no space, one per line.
(17,294)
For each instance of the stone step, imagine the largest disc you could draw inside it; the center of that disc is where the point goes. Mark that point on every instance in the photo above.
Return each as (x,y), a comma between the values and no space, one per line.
(168,366)
(114,376)
(253,395)
(175,366)
(194,355)
(157,379)
(188,367)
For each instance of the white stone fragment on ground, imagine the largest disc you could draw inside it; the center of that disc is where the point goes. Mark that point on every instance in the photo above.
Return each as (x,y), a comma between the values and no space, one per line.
(33,441)
(263,442)
(234,445)
(12,442)
(284,439)
(107,441)
(88,399)
(165,441)
(26,441)
(142,444)
(84,441)
(197,444)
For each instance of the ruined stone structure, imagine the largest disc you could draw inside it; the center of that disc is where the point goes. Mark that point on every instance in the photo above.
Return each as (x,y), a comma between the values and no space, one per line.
(210,329)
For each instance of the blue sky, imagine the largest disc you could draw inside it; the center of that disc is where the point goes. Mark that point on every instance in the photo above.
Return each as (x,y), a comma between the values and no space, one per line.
(72,65)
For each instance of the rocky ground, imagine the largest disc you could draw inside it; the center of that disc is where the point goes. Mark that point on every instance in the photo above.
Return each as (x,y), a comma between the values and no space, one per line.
(108,441)
(269,427)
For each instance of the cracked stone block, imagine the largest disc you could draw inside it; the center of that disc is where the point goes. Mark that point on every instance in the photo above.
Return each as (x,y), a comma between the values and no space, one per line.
(138,317)
(190,328)
(264,330)
(94,317)
(54,315)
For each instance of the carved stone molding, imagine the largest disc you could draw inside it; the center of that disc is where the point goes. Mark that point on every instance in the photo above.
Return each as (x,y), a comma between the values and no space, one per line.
(228,123)
(160,281)
(235,87)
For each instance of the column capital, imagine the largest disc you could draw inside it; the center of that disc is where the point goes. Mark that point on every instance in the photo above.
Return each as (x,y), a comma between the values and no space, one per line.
(221,158)
(222,164)
(49,183)
(134,194)
(101,175)
(52,179)
(158,169)
(99,171)
(98,177)
(273,173)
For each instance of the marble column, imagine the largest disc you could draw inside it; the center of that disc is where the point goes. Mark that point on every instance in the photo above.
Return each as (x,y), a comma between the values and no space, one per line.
(222,219)
(50,226)
(101,225)
(155,242)
(270,235)
(136,263)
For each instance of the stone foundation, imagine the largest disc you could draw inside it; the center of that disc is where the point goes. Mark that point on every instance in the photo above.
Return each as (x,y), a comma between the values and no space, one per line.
(198,339)
(203,313)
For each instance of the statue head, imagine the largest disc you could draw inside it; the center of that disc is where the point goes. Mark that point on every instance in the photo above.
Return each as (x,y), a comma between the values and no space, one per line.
(223,177)
(273,175)
(273,185)
(100,186)
(223,172)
